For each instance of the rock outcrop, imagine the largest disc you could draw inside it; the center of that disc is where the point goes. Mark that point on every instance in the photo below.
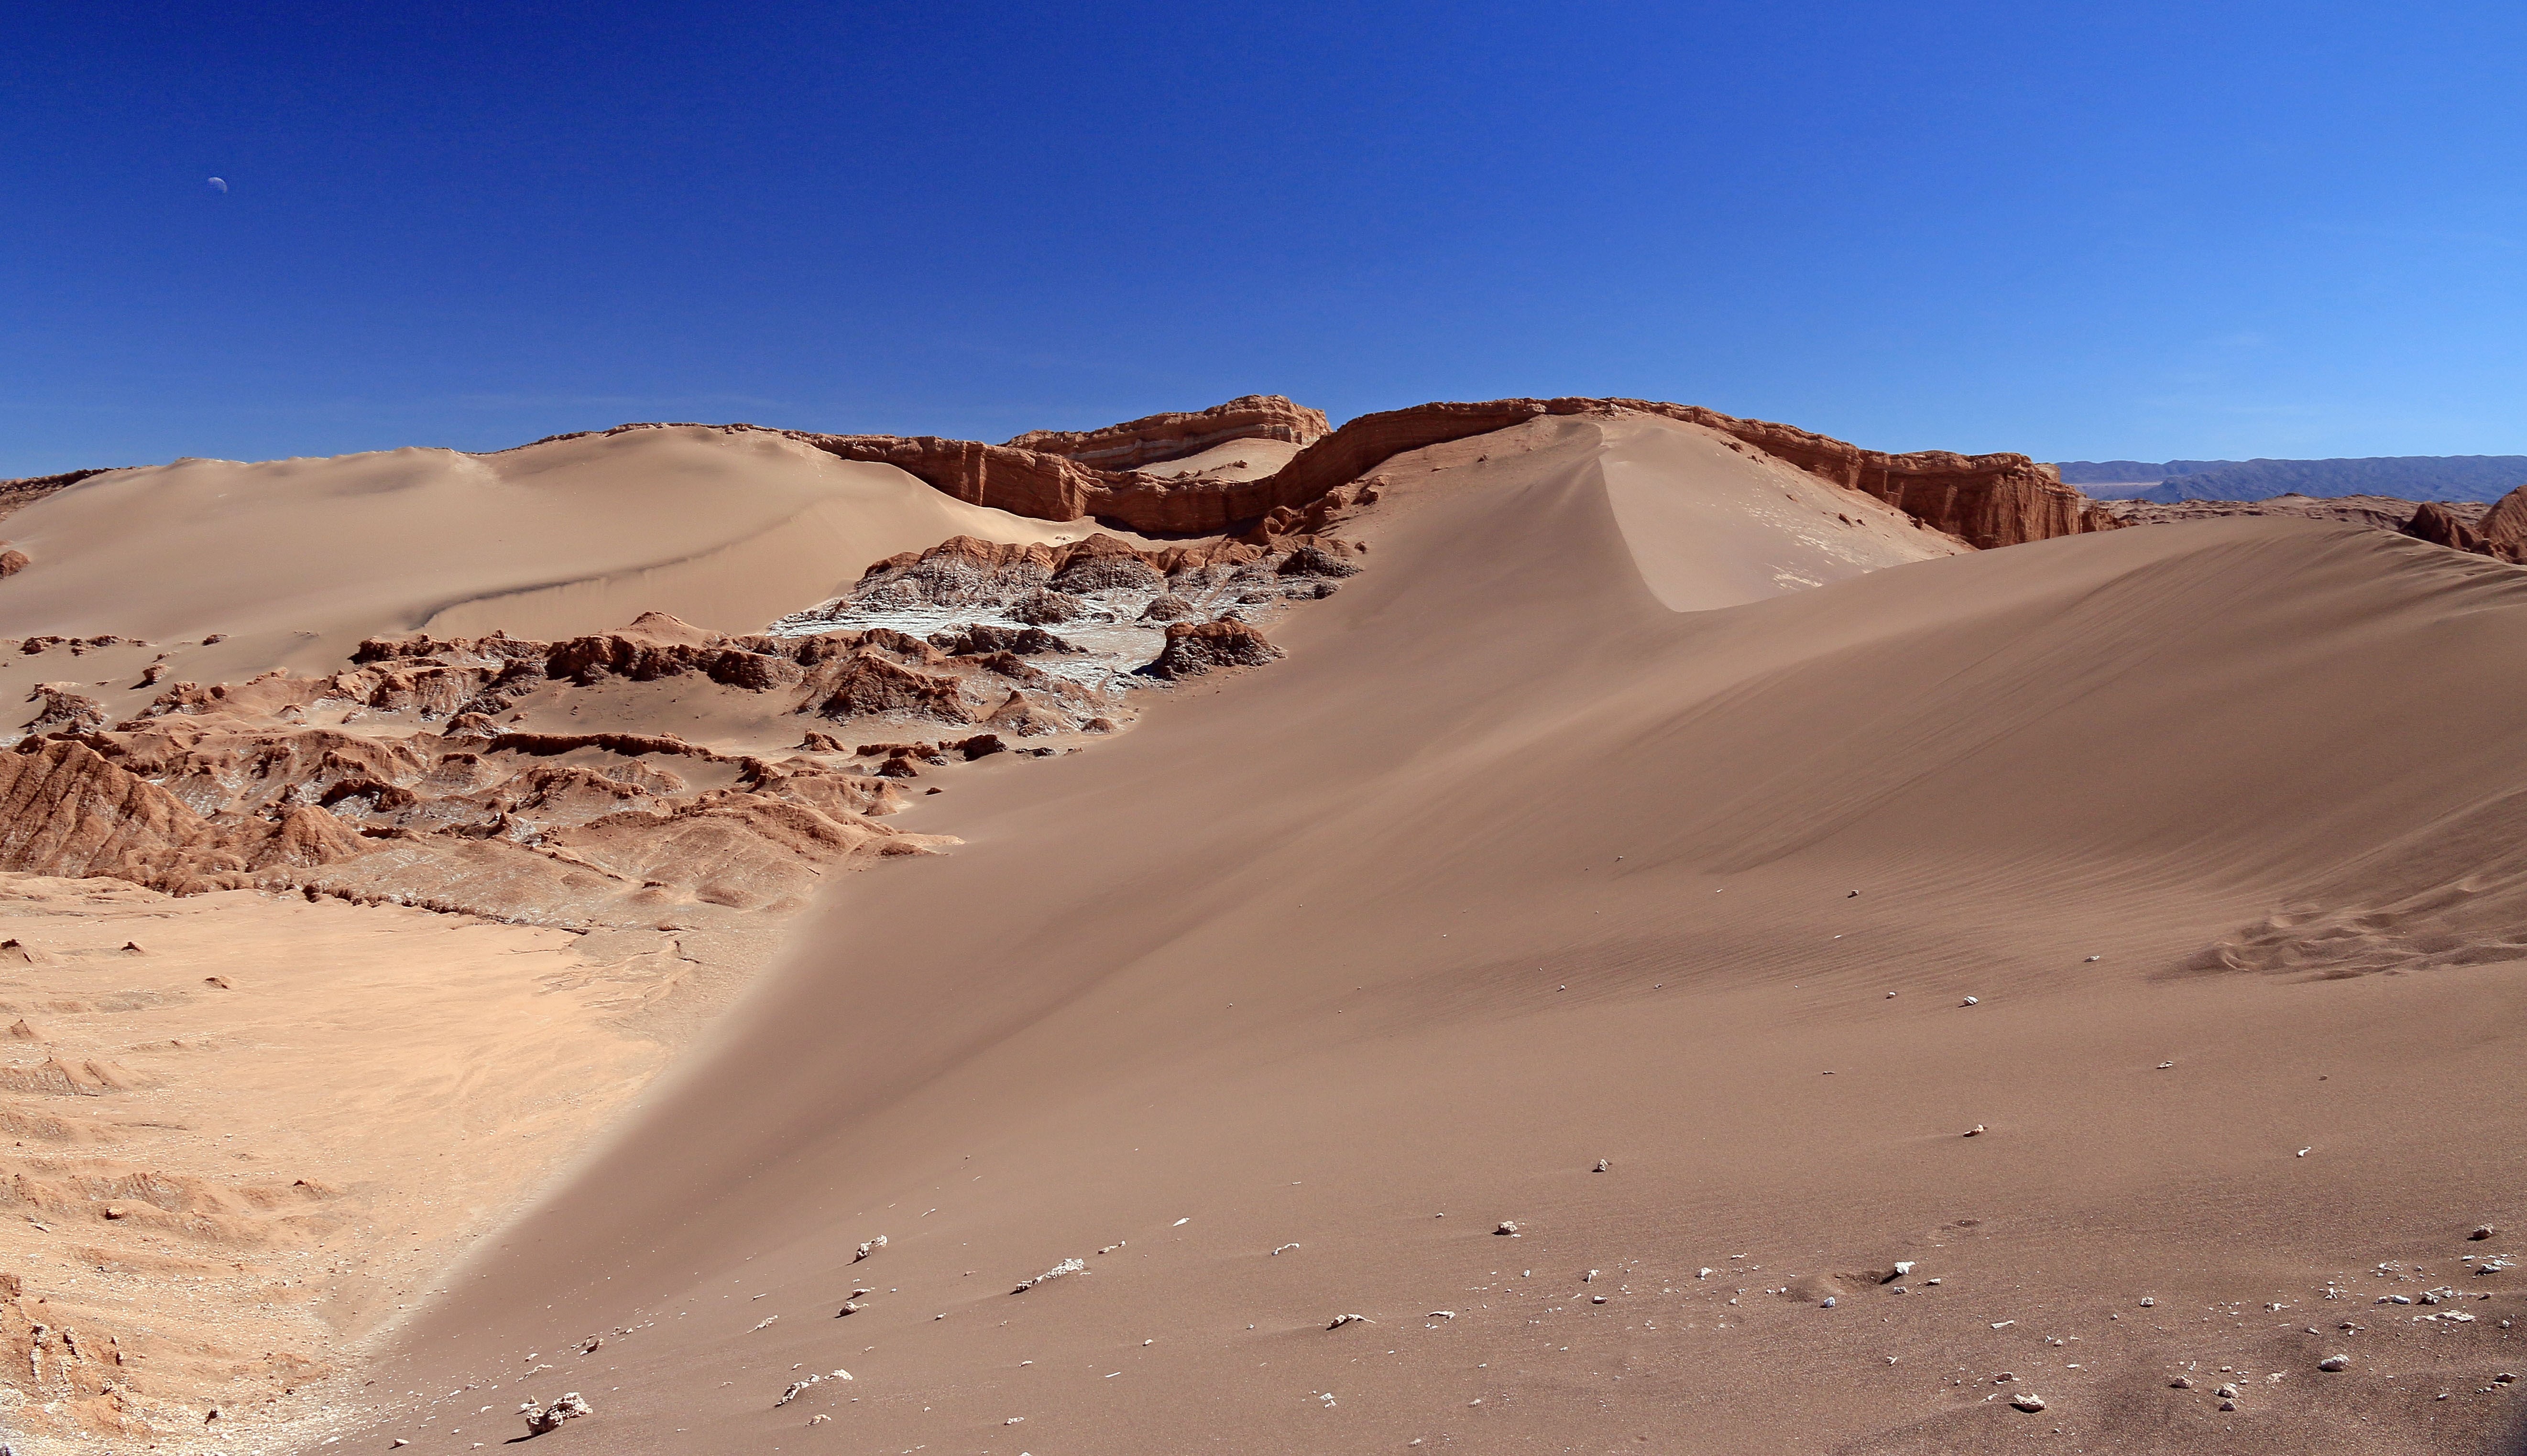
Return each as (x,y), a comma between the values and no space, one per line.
(436,799)
(2435,523)
(16,496)
(1154,439)
(2377,512)
(1196,647)
(2504,528)
(1984,500)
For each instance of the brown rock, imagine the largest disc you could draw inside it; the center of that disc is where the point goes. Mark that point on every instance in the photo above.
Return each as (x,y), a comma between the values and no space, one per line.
(12,560)
(1194,648)
(1984,500)
(1159,437)
(64,707)
(65,810)
(2434,524)
(867,684)
(2504,528)
(1019,717)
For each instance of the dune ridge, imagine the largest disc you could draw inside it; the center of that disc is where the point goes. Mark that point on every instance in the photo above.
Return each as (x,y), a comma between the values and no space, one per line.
(1517,902)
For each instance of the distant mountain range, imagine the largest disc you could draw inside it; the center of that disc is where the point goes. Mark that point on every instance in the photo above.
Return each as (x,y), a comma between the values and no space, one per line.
(2471,477)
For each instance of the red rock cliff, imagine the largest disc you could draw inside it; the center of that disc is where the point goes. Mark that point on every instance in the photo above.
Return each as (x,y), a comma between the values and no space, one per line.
(1173,436)
(1984,500)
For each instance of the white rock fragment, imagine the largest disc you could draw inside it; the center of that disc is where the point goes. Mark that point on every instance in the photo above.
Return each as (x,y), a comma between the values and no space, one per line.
(541,1420)
(1066,1265)
(2333,1362)
(1283,1249)
(868,1248)
(1341,1320)
(1976,1131)
(795,1386)
(2027,1400)
(1970,1001)
(1440,1314)
(1704,1272)
(1601,1166)
(1507,1226)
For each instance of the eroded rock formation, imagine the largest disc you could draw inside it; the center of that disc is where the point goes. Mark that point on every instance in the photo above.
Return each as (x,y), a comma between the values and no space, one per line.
(2437,524)
(1154,439)
(2504,528)
(1196,647)
(1984,500)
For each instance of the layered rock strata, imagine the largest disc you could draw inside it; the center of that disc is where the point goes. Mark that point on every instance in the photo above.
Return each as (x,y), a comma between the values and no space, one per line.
(450,773)
(1984,500)
(1155,438)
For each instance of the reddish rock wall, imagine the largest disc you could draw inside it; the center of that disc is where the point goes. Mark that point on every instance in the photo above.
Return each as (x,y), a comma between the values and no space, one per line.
(1173,436)
(2504,528)
(1984,500)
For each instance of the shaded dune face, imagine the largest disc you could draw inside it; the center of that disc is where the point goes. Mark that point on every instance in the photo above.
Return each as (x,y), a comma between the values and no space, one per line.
(1582,826)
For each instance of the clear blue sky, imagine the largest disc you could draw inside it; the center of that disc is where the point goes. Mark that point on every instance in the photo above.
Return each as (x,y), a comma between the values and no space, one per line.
(2139,229)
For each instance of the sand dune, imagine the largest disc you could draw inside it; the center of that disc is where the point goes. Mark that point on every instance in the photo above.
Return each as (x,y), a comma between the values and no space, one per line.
(1636,838)
(1273,1010)
(296,560)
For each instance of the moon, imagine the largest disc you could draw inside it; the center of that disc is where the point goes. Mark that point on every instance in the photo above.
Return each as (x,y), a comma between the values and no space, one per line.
(219,183)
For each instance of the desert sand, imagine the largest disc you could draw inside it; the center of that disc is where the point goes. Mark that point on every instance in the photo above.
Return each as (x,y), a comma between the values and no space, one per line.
(1690,957)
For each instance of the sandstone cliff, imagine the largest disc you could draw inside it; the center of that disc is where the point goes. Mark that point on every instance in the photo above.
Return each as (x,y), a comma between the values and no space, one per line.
(2504,528)
(2437,524)
(1984,500)
(1173,436)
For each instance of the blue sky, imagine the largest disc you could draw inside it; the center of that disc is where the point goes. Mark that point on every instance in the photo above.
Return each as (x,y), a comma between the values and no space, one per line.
(2142,229)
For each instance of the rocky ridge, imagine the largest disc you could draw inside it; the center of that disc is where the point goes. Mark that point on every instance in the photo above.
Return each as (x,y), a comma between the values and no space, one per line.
(1990,500)
(457,775)
(2498,530)
(1984,500)
(1155,438)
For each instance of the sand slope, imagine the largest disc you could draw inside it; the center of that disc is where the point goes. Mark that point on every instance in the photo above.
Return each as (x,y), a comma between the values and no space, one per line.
(1512,868)
(296,560)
